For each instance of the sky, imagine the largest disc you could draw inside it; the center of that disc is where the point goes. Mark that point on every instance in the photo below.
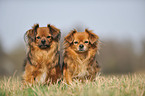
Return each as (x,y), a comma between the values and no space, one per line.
(111,19)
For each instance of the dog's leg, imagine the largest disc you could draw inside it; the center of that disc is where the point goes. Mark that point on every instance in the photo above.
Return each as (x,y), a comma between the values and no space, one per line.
(41,78)
(28,77)
(67,76)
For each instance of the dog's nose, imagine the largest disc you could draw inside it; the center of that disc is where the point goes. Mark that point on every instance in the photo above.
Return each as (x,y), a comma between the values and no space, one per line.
(43,41)
(81,46)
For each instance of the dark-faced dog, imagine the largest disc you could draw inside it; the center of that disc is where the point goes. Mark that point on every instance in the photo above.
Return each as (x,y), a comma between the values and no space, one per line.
(42,61)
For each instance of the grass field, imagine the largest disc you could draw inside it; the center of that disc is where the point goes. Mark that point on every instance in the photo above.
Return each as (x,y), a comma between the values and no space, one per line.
(110,85)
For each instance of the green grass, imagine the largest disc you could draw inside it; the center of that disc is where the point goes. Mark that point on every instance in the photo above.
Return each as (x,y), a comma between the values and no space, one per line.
(111,85)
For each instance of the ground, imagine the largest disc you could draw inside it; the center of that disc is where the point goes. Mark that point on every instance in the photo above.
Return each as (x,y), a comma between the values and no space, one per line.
(105,85)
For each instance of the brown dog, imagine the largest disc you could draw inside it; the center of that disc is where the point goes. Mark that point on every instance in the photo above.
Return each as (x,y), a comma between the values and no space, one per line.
(80,55)
(42,61)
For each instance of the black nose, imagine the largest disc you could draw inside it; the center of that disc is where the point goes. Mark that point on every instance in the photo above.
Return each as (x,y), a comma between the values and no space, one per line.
(81,46)
(43,41)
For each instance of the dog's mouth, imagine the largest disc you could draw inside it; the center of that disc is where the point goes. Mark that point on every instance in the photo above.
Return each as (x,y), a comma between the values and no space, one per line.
(81,50)
(44,46)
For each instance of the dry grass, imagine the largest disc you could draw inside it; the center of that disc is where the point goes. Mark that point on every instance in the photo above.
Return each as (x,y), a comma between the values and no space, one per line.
(111,85)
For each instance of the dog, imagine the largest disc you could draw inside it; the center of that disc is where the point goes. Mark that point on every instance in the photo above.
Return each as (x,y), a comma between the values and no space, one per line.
(42,62)
(80,50)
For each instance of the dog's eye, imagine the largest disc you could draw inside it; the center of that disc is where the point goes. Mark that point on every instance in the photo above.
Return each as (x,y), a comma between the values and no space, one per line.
(76,42)
(48,36)
(38,37)
(86,42)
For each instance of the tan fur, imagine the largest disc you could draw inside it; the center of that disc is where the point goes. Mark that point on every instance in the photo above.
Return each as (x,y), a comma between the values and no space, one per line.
(80,64)
(42,64)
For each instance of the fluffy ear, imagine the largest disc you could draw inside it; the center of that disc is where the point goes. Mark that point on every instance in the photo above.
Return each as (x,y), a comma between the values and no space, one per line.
(92,37)
(31,34)
(69,38)
(54,32)
(35,27)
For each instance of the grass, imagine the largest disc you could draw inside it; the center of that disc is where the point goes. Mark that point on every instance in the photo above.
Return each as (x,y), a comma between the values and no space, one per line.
(111,85)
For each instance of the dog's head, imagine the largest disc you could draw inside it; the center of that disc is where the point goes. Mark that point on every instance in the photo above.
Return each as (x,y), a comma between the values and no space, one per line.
(81,41)
(43,36)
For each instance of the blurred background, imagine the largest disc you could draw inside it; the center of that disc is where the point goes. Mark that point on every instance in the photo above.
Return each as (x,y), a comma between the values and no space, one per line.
(120,25)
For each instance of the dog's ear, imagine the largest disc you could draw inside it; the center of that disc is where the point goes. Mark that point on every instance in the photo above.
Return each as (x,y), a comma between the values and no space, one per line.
(69,38)
(55,32)
(35,27)
(92,37)
(31,34)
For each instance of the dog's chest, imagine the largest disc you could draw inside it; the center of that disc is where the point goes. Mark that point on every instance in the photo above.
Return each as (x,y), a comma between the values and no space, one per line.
(82,56)
(80,68)
(43,57)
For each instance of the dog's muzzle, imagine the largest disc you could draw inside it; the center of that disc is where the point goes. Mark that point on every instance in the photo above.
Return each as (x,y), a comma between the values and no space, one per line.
(43,44)
(81,47)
